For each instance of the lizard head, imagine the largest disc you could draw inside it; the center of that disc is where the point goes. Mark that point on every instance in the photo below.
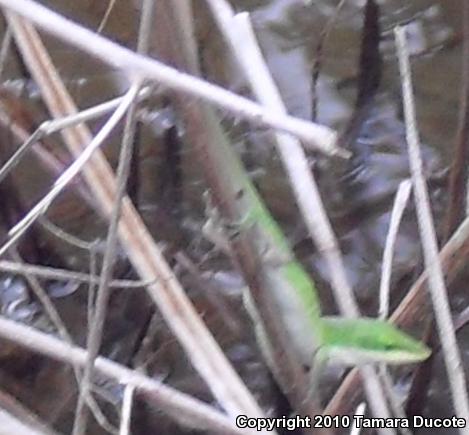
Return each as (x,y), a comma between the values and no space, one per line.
(367,340)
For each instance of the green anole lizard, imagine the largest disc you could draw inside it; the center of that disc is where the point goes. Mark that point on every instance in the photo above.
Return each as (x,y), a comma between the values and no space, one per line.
(287,283)
(349,341)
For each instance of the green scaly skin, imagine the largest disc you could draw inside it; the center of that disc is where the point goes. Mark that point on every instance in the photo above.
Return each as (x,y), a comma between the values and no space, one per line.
(351,341)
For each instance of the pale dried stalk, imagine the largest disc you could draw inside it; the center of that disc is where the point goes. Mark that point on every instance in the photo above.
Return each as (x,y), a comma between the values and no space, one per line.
(400,202)
(126,414)
(436,282)
(318,136)
(167,293)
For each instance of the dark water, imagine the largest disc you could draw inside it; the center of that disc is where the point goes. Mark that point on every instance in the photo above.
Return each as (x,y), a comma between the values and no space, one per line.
(288,32)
